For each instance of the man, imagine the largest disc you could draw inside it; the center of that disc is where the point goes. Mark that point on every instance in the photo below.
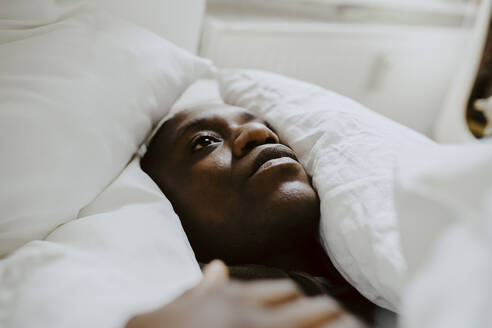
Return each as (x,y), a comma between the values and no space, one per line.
(239,192)
(242,196)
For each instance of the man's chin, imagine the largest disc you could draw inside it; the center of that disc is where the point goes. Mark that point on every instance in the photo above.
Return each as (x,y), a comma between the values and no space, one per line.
(295,204)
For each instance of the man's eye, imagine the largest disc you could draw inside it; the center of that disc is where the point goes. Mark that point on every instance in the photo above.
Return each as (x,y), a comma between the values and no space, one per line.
(203,141)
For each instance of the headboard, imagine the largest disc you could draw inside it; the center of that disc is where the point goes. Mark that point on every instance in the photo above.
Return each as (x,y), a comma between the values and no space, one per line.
(178,21)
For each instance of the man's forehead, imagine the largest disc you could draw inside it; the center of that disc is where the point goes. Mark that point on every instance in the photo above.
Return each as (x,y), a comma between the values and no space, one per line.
(197,116)
(210,111)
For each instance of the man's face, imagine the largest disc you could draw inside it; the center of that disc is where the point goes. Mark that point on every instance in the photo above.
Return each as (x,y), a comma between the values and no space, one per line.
(239,192)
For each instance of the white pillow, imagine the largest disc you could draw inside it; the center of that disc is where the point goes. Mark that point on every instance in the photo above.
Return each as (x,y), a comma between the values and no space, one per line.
(127,254)
(177,21)
(351,153)
(79,91)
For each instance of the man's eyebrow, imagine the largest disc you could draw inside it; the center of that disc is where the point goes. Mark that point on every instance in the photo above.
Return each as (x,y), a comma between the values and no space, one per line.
(192,124)
(182,130)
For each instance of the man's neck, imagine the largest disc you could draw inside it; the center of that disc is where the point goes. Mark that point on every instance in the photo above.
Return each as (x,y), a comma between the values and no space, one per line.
(310,258)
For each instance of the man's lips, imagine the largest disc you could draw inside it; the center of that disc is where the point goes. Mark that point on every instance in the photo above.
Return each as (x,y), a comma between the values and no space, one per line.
(269,153)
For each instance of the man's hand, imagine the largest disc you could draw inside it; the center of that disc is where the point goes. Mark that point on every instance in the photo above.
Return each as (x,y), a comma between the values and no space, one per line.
(220,303)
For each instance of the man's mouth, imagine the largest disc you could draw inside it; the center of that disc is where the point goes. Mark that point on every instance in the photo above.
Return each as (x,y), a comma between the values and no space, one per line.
(271,156)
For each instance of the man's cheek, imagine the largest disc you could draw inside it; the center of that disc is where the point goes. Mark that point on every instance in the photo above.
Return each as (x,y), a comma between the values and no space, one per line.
(215,165)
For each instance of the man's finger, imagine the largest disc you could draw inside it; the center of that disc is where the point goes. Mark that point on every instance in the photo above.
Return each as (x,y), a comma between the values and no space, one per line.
(345,321)
(215,274)
(267,292)
(305,312)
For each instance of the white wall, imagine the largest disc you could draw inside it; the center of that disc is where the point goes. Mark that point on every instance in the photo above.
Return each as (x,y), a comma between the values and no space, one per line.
(398,62)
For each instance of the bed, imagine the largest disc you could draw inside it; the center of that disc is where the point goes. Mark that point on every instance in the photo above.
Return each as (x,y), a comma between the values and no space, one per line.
(88,239)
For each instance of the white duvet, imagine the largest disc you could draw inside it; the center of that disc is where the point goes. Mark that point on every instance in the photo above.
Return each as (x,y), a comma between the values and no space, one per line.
(444,198)
(126,254)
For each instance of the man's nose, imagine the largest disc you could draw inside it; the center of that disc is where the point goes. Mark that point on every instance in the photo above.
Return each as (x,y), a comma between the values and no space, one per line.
(250,136)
